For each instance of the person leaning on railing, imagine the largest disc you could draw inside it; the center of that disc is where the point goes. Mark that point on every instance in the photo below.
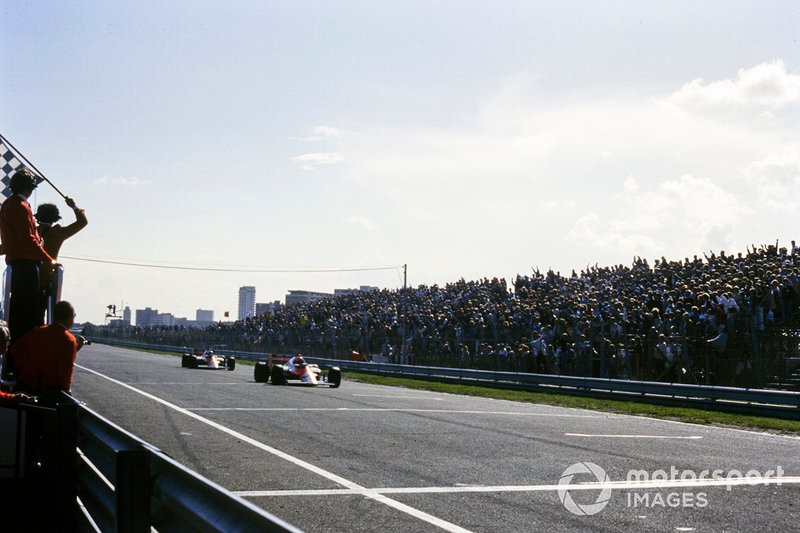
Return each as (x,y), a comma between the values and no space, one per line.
(45,356)
(10,399)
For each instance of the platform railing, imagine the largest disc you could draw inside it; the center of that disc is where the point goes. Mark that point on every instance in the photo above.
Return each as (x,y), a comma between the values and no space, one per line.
(77,471)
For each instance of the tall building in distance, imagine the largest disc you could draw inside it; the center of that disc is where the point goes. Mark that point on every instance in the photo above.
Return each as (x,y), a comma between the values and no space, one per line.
(247,302)
(146,317)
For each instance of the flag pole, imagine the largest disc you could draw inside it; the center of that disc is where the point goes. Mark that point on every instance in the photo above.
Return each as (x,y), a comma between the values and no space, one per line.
(25,160)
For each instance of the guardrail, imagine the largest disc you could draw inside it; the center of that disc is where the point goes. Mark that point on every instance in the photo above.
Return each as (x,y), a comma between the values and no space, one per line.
(93,475)
(762,402)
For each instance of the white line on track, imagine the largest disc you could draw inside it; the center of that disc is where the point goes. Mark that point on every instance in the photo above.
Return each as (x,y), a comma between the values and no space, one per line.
(618,485)
(395,410)
(401,397)
(189,383)
(350,485)
(678,437)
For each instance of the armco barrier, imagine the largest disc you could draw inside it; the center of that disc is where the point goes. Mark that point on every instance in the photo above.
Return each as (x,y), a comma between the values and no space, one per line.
(95,476)
(762,402)
(128,485)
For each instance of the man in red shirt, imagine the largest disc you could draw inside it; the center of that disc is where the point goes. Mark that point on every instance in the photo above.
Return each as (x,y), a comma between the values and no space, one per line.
(25,255)
(45,356)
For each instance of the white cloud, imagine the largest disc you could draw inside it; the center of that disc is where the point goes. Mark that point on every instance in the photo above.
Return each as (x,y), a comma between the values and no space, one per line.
(766,85)
(122,182)
(326,132)
(777,178)
(321,133)
(689,213)
(311,161)
(600,180)
(590,229)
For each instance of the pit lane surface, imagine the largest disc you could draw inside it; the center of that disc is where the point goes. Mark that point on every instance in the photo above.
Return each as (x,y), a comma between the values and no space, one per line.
(374,458)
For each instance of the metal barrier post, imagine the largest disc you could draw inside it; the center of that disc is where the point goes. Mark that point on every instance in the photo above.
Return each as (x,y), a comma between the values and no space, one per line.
(66,466)
(133,491)
(54,290)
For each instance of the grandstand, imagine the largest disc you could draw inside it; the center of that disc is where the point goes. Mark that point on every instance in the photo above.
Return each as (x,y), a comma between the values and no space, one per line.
(723,319)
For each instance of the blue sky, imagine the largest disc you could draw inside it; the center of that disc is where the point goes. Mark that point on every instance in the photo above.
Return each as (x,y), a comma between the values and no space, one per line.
(465,139)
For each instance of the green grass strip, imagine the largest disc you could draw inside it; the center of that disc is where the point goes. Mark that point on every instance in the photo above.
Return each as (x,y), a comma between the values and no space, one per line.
(682,414)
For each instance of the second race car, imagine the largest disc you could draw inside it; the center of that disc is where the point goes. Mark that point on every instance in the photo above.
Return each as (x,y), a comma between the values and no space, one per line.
(208,359)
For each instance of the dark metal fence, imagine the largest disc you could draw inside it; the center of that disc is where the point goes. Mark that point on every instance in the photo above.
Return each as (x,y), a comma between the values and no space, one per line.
(77,471)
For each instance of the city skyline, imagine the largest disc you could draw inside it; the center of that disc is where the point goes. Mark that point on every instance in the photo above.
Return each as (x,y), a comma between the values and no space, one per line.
(313,145)
(205,316)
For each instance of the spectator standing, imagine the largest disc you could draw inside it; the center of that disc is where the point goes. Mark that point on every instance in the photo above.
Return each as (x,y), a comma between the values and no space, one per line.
(25,255)
(53,234)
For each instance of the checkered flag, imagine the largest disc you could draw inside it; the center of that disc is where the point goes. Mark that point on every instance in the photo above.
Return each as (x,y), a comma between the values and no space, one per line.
(9,164)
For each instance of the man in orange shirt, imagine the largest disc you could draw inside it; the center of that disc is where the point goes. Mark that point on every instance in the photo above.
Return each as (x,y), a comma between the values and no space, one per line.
(45,356)
(25,255)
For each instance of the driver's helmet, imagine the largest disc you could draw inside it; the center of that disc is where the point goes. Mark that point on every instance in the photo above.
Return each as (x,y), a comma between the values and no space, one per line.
(299,360)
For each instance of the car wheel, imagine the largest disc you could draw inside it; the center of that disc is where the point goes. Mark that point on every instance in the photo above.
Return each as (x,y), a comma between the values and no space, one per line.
(261,372)
(185,360)
(277,375)
(334,377)
(231,363)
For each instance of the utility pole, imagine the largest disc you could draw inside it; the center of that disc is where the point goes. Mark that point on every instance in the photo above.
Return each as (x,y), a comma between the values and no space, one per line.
(404,310)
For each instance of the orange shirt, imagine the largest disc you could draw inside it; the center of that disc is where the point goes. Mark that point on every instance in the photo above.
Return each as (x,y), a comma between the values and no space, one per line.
(18,231)
(45,357)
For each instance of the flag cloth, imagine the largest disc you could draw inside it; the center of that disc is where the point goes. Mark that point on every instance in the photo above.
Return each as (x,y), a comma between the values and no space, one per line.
(9,164)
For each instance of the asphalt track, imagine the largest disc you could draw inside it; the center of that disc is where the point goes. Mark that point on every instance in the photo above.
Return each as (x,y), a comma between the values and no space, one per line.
(374,458)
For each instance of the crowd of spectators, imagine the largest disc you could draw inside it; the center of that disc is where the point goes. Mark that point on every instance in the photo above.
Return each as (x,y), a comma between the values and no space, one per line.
(674,320)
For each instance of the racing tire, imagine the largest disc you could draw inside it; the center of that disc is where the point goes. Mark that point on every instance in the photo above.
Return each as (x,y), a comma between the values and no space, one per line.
(231,363)
(188,361)
(277,376)
(334,377)
(261,372)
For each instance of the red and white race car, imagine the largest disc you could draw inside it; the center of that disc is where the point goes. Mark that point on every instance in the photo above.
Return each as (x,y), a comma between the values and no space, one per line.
(283,369)
(208,359)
